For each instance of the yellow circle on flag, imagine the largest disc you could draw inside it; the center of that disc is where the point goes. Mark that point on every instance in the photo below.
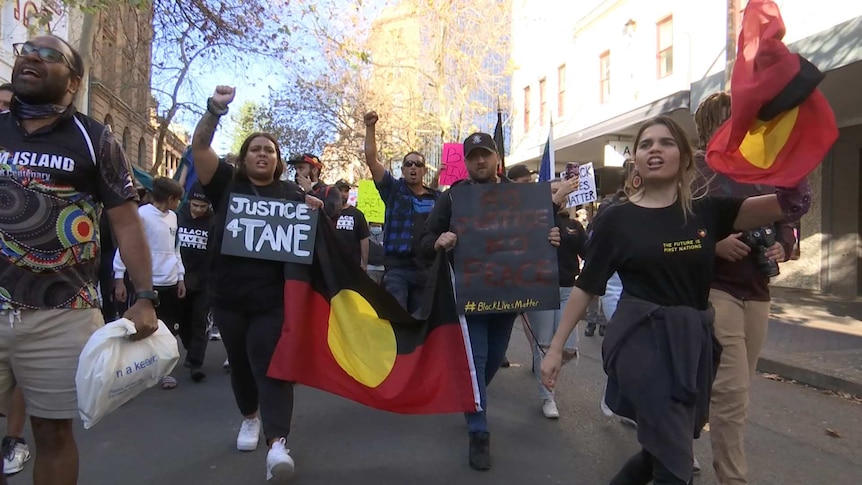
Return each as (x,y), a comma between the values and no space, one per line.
(765,140)
(362,343)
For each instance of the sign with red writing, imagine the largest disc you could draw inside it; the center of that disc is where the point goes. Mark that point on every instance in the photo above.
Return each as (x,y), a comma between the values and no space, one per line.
(452,168)
(503,260)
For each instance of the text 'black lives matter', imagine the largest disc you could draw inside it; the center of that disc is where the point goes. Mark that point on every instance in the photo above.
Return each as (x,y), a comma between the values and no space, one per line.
(504,262)
(271,229)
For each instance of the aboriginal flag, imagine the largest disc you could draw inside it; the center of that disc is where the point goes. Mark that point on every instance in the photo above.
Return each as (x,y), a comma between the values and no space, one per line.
(780,126)
(346,335)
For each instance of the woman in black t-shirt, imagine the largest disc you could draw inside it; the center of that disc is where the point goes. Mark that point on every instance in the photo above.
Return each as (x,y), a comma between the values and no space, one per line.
(659,352)
(248,294)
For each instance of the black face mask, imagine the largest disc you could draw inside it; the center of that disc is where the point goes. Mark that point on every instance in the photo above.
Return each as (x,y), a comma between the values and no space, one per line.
(27,111)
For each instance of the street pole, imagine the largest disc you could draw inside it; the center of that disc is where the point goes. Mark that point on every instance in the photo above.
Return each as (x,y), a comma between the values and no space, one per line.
(85,49)
(730,47)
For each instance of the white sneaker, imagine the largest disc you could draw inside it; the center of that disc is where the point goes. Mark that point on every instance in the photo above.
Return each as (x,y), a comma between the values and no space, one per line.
(249,435)
(14,461)
(226,365)
(549,409)
(279,464)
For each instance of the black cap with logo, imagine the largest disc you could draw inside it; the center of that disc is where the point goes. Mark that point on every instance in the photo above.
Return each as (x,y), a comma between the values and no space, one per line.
(479,140)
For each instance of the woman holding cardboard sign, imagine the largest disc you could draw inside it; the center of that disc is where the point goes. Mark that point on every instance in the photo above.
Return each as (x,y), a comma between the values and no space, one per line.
(658,351)
(248,294)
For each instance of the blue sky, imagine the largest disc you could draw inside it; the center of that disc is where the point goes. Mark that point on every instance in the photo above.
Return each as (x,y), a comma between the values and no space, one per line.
(255,82)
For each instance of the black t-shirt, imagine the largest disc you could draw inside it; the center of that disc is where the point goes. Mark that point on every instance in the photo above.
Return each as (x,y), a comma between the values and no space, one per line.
(352,228)
(660,256)
(573,242)
(244,283)
(54,184)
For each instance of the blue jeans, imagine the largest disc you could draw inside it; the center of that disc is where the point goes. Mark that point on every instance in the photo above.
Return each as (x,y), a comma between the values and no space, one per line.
(489,338)
(544,325)
(612,296)
(407,285)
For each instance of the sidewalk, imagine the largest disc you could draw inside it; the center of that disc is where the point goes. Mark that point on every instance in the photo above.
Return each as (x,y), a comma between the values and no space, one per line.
(815,339)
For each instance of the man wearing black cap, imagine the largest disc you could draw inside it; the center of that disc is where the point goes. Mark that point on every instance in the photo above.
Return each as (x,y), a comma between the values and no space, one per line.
(489,332)
(194,228)
(352,228)
(308,169)
(520,174)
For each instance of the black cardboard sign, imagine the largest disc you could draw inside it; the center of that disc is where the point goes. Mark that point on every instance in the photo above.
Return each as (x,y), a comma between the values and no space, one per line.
(271,229)
(504,262)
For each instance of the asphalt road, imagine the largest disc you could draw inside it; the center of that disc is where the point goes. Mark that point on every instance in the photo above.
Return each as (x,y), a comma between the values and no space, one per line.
(187,436)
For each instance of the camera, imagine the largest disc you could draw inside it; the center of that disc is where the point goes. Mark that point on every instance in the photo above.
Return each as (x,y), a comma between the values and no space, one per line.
(760,240)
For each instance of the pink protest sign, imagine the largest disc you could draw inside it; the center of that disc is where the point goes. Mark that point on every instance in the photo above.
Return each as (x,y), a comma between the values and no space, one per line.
(452,168)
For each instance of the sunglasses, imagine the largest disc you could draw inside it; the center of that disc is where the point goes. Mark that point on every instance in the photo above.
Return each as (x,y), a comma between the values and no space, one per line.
(46,54)
(413,163)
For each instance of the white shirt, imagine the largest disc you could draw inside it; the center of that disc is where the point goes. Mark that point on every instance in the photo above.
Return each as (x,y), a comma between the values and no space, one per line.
(160,229)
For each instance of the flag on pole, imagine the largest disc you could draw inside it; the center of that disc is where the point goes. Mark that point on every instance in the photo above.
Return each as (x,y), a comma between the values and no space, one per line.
(498,140)
(780,125)
(186,174)
(546,169)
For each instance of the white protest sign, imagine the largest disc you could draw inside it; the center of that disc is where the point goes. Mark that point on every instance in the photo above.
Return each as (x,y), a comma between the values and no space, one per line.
(586,192)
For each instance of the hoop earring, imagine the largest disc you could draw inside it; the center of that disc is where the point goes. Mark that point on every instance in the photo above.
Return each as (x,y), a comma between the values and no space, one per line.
(637,181)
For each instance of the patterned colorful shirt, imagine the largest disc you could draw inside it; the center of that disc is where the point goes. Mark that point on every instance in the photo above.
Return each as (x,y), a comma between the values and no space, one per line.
(405,215)
(54,183)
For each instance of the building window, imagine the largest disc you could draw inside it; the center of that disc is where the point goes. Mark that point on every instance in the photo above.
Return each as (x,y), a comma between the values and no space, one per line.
(561,91)
(142,150)
(664,47)
(527,109)
(605,76)
(126,139)
(543,102)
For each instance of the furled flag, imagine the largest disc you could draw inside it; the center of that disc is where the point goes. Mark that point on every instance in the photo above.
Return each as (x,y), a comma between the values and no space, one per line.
(346,335)
(546,169)
(780,125)
(501,145)
(186,174)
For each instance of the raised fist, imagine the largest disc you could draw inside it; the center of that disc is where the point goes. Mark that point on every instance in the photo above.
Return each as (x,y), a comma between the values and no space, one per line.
(371,118)
(224,95)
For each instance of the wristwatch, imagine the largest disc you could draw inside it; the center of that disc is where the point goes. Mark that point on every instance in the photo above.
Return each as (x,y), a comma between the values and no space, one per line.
(151,295)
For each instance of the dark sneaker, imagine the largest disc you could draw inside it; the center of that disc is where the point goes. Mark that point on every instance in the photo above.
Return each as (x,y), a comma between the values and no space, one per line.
(198,374)
(602,329)
(590,330)
(505,364)
(480,451)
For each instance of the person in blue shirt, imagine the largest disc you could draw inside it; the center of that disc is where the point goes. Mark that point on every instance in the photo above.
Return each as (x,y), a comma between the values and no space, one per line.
(408,202)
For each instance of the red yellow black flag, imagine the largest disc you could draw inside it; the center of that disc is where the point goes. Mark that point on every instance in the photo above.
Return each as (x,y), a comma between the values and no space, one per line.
(780,126)
(346,335)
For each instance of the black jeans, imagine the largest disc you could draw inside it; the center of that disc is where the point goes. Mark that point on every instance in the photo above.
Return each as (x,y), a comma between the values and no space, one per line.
(643,468)
(250,339)
(170,307)
(193,326)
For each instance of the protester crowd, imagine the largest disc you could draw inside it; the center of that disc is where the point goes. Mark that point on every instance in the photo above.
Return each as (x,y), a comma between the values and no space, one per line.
(704,306)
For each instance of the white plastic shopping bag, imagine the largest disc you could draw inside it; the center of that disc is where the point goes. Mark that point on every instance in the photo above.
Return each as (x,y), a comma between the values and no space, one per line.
(113,369)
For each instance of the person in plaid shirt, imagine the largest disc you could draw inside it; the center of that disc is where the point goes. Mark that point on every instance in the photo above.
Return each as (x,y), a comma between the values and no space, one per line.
(408,203)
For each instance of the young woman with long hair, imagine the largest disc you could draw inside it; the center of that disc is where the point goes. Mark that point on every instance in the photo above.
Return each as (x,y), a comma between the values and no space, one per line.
(248,294)
(659,350)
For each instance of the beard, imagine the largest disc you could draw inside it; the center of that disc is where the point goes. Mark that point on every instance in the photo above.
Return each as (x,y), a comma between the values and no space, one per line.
(46,91)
